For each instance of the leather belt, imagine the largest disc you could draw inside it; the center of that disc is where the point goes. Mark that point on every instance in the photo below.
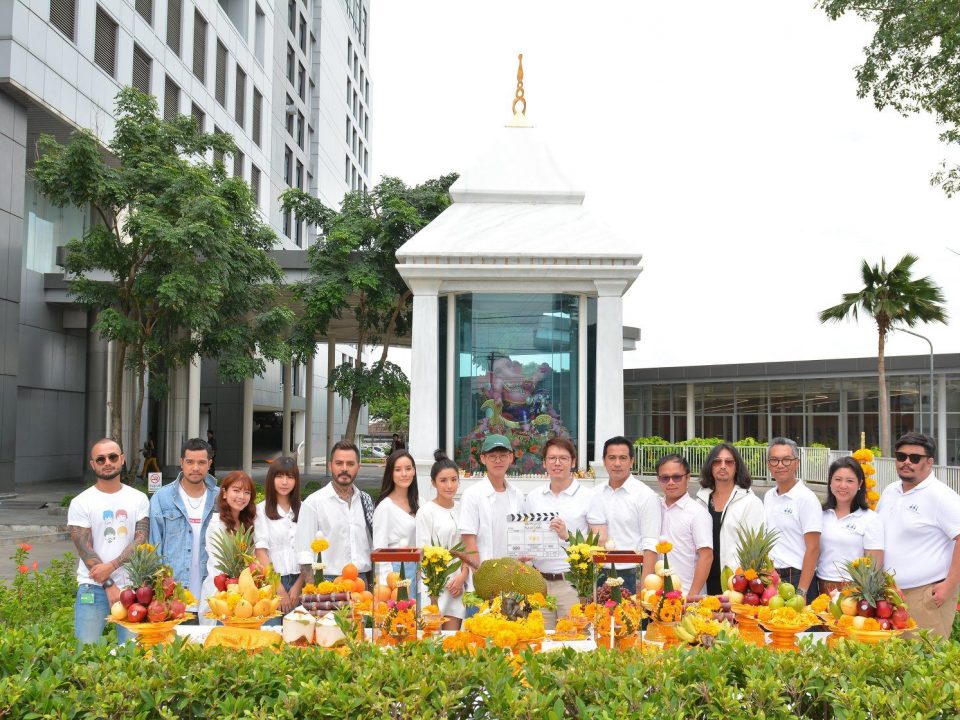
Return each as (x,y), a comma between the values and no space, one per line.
(553,577)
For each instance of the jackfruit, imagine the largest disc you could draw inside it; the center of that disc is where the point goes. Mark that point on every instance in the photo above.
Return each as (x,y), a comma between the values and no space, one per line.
(507,575)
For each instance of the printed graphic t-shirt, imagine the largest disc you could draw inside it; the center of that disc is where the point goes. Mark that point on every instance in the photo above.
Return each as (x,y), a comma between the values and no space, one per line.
(112,518)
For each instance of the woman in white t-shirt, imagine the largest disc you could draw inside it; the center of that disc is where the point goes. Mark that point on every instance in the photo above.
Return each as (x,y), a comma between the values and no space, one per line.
(236,509)
(438,522)
(275,530)
(393,519)
(850,528)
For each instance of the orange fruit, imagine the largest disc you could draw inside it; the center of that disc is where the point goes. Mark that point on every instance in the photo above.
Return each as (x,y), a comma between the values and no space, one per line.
(350,571)
(392,579)
(359,585)
(393,594)
(381,593)
(366,595)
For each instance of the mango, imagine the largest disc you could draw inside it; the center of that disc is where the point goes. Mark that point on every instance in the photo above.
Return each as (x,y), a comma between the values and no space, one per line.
(243,610)
(262,607)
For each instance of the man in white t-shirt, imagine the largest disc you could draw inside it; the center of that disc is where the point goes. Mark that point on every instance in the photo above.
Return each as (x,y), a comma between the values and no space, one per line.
(576,510)
(686,524)
(921,522)
(632,510)
(794,511)
(106,523)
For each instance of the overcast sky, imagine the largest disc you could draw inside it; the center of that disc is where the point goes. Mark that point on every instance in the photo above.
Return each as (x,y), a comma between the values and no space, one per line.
(725,140)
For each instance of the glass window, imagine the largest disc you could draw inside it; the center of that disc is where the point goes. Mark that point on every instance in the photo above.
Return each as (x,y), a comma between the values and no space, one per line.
(47,228)
(516,374)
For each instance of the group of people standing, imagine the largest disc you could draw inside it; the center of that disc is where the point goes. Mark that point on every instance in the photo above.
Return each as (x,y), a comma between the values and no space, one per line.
(915,531)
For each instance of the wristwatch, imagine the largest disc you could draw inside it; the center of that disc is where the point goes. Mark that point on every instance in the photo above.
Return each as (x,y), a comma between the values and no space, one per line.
(108,583)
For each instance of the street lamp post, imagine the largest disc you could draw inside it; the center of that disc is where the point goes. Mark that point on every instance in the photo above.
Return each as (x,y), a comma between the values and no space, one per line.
(916,334)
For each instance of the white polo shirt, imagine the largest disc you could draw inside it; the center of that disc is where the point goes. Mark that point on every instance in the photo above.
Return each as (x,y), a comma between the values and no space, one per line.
(576,505)
(793,515)
(920,531)
(688,527)
(847,538)
(633,516)
(483,512)
(342,524)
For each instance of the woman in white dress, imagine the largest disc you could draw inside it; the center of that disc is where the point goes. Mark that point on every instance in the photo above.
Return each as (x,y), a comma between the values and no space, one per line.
(393,519)
(275,530)
(850,528)
(438,523)
(237,509)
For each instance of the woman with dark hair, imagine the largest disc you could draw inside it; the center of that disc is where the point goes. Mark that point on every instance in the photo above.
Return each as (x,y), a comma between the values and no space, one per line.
(850,528)
(236,510)
(275,530)
(394,523)
(438,521)
(726,494)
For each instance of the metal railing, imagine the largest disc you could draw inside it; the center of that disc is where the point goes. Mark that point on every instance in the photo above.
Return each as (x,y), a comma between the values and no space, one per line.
(814,463)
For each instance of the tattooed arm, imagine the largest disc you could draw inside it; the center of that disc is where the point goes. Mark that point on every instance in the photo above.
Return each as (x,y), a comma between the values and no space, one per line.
(83,540)
(140,533)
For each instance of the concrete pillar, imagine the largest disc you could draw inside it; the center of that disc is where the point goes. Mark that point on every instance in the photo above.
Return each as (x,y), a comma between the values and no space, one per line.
(246,442)
(583,324)
(331,364)
(308,417)
(96,395)
(424,395)
(609,363)
(193,399)
(691,411)
(451,360)
(941,418)
(175,427)
(287,381)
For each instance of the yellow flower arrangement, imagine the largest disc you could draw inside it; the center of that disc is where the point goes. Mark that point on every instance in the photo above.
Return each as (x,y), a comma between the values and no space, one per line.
(147,547)
(820,603)
(865,561)
(868,469)
(711,603)
(664,546)
(863,455)
(318,545)
(437,564)
(582,574)
(750,574)
(872,498)
(787,617)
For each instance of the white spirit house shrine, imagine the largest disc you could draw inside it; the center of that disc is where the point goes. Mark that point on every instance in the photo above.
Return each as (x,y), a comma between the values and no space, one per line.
(517,313)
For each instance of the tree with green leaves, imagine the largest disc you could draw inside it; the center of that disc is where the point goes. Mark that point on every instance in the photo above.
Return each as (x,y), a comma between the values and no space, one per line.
(353,270)
(891,297)
(912,64)
(394,411)
(182,244)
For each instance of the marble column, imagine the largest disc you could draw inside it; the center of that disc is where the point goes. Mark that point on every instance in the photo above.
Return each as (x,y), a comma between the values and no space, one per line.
(424,394)
(609,364)
(287,380)
(308,417)
(583,329)
(691,411)
(941,418)
(193,399)
(451,360)
(246,443)
(331,396)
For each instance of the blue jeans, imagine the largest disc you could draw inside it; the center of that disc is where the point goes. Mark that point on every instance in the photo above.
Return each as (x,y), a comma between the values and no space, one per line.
(89,619)
(629,578)
(287,581)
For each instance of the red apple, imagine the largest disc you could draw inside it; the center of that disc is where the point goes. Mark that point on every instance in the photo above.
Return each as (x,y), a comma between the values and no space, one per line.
(884,608)
(177,608)
(751,599)
(220,582)
(157,611)
(740,583)
(145,595)
(756,586)
(128,597)
(885,624)
(900,618)
(865,609)
(136,613)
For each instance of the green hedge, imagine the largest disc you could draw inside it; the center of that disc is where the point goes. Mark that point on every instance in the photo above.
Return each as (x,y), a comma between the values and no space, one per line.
(43,675)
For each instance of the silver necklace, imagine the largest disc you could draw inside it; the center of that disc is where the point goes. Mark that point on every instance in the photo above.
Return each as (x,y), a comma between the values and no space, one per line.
(195,506)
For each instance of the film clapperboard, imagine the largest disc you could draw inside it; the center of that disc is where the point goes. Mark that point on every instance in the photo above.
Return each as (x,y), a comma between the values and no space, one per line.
(529,534)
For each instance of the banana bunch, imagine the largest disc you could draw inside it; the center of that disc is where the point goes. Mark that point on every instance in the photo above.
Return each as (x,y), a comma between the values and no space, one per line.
(686,631)
(244,599)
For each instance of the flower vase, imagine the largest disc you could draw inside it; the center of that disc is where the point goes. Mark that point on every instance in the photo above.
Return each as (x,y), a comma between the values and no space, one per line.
(750,631)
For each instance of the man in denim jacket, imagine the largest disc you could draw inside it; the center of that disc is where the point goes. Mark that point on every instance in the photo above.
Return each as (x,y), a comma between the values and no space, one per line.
(180,514)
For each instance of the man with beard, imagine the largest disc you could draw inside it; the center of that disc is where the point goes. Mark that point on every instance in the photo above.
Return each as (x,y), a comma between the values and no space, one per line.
(180,514)
(340,513)
(94,520)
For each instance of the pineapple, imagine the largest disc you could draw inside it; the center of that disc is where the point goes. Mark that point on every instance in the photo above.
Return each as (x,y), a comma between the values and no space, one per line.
(869,580)
(231,550)
(143,566)
(754,548)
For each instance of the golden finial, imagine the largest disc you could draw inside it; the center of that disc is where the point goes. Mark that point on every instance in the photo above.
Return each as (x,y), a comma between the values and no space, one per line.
(520,116)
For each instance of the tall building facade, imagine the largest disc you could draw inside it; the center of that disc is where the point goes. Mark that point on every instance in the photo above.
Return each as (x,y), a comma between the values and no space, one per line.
(289,81)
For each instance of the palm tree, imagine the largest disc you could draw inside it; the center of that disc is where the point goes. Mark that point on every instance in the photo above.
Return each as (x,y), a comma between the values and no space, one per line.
(890,297)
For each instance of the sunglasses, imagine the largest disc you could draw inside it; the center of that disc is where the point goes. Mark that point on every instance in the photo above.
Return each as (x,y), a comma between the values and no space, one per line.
(667,479)
(101,459)
(915,458)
